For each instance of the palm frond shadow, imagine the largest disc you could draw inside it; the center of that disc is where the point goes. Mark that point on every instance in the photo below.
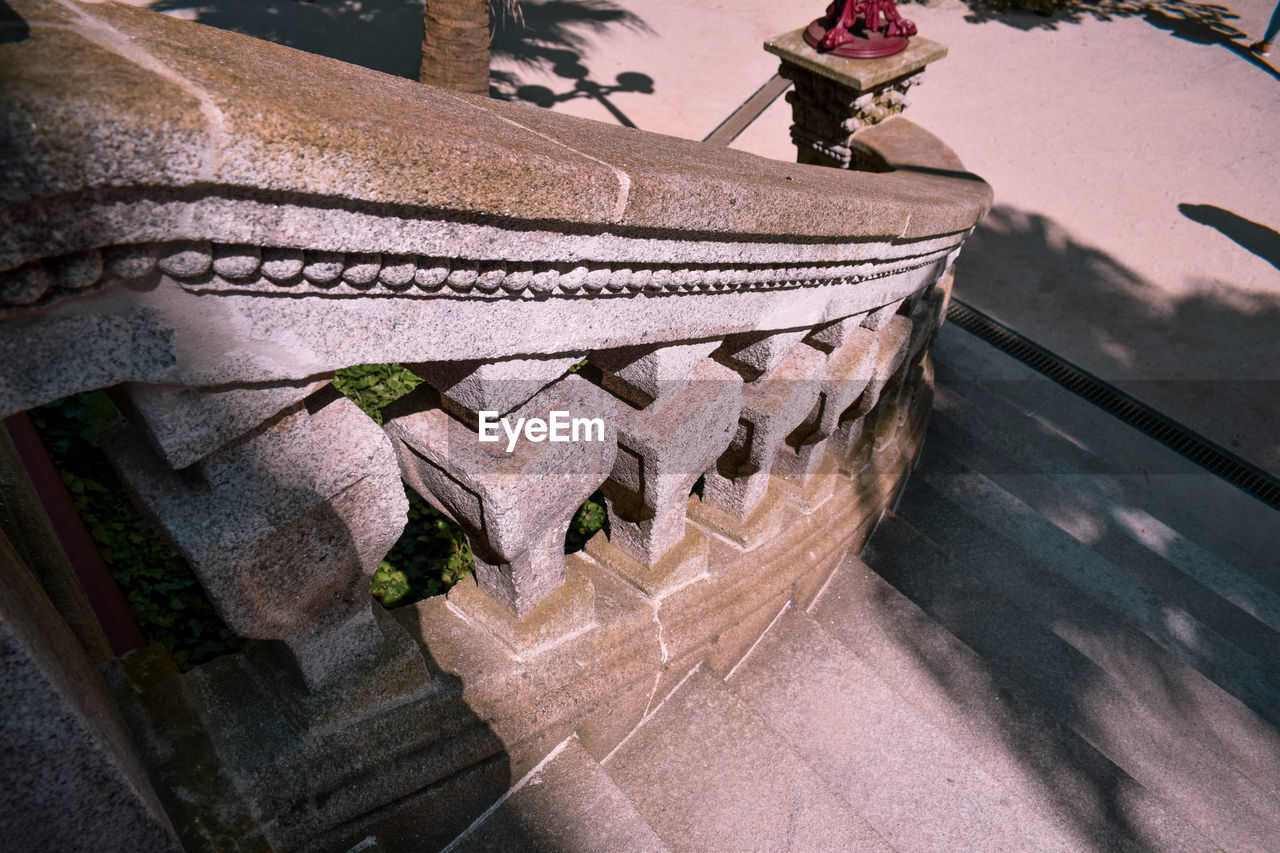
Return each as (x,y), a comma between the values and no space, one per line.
(554,36)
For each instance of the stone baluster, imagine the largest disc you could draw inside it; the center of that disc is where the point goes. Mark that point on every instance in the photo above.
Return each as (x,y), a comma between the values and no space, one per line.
(781,391)
(926,314)
(512,485)
(900,389)
(894,344)
(677,414)
(284,525)
(851,349)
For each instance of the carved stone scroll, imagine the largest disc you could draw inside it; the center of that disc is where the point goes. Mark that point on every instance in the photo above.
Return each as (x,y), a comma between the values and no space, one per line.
(284,528)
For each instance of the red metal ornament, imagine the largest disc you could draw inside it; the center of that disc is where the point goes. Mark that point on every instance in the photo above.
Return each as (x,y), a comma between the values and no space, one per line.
(839,32)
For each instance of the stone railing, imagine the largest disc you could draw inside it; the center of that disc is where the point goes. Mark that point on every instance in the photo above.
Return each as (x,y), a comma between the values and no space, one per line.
(211,225)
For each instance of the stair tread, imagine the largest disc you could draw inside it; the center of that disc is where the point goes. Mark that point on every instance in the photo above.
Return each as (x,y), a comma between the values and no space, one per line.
(569,803)
(1017,740)
(1227,538)
(1227,600)
(984,502)
(1162,722)
(915,786)
(707,773)
(1032,425)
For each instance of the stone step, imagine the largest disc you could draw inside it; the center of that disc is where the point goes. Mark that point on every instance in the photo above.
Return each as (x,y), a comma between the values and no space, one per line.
(1017,741)
(1227,536)
(1030,425)
(906,777)
(567,803)
(1166,725)
(1144,606)
(708,773)
(1146,552)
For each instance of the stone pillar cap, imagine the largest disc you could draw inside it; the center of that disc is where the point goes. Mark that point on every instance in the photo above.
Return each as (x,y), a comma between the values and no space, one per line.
(861,74)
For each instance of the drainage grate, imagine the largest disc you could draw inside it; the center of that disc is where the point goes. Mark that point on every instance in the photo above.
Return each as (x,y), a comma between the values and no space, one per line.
(1135,413)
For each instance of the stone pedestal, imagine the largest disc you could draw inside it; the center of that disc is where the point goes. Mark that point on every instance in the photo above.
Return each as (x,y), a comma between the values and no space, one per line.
(835,97)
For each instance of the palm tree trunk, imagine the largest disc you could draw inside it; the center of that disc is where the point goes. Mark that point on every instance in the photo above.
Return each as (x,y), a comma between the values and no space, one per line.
(455,45)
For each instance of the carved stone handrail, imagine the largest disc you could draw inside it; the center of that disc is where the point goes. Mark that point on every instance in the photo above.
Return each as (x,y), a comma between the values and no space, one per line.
(211,225)
(145,172)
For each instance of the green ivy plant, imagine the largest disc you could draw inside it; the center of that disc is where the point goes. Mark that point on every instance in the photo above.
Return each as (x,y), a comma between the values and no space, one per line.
(167,601)
(373,387)
(430,557)
(432,553)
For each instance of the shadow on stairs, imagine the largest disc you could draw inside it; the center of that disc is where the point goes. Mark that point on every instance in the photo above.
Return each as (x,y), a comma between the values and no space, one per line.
(1065,637)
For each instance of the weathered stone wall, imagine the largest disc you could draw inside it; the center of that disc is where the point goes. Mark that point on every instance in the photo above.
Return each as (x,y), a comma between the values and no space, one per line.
(71,777)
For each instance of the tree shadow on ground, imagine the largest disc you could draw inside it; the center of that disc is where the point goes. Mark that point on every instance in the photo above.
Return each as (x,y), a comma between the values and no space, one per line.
(1122,686)
(1209,357)
(1196,22)
(1050,14)
(553,36)
(1205,29)
(385,35)
(1119,607)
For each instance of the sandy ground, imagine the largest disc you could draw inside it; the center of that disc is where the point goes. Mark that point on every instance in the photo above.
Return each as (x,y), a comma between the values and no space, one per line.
(1135,160)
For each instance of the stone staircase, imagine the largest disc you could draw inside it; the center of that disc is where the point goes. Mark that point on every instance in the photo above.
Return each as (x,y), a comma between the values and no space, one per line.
(1064,637)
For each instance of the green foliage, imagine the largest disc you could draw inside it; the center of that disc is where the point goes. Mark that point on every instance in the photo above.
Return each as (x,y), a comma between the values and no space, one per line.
(431,555)
(168,602)
(587,520)
(374,386)
(389,584)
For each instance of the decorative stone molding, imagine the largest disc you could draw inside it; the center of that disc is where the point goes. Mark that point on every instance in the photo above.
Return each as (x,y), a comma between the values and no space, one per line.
(205,267)
(826,115)
(365,274)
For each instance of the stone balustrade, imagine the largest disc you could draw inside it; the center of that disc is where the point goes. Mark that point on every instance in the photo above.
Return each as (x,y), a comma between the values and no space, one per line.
(211,225)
